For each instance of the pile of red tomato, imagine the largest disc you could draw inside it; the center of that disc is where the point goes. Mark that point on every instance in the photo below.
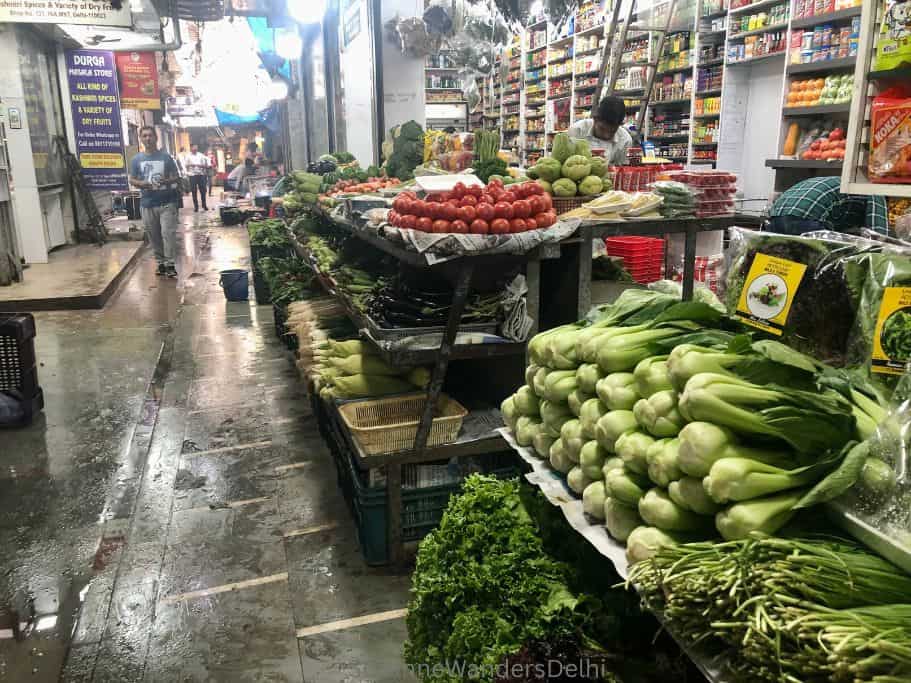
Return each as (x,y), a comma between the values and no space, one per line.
(494,209)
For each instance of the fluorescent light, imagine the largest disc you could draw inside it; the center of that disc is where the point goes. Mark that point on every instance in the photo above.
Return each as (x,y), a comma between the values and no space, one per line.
(307,11)
(288,44)
(44,623)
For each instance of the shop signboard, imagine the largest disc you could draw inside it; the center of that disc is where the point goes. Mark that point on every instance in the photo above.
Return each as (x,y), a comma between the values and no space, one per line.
(138,80)
(94,12)
(95,105)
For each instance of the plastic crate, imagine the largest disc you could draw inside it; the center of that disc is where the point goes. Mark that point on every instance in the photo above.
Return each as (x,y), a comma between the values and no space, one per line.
(643,257)
(18,366)
(388,425)
(564,204)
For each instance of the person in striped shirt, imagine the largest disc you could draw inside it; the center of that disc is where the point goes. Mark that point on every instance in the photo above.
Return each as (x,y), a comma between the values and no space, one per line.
(818,204)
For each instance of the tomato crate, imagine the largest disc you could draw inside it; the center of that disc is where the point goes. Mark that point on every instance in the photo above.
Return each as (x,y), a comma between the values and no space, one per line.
(643,257)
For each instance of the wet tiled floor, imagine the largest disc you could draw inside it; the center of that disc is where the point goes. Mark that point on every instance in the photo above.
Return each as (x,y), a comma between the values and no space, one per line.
(173,514)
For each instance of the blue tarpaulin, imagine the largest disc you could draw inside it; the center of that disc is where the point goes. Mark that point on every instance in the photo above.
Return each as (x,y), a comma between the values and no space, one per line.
(265,42)
(268,117)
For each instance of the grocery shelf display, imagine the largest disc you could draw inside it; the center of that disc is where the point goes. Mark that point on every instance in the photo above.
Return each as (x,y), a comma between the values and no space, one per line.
(874,160)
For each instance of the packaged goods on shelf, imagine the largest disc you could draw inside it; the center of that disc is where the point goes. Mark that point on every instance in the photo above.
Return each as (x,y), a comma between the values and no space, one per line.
(754,21)
(890,137)
(707,105)
(709,78)
(676,87)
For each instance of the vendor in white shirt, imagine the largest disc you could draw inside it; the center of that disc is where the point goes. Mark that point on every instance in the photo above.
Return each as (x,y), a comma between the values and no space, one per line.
(604,130)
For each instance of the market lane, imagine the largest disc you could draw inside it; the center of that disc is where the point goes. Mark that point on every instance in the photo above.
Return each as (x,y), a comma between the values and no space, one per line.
(233,536)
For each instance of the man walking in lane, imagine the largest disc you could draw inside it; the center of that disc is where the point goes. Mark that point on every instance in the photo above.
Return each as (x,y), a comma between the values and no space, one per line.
(154,172)
(197,170)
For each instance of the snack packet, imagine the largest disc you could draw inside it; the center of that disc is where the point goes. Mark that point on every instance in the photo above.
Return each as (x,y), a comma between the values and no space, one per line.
(890,138)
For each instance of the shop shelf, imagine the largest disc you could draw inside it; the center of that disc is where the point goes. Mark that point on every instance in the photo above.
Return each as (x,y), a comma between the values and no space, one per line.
(843,15)
(711,62)
(902,73)
(670,103)
(757,31)
(537,49)
(568,74)
(712,34)
(585,53)
(629,92)
(704,144)
(714,15)
(700,162)
(803,163)
(581,88)
(817,109)
(755,5)
(706,116)
(760,58)
(626,65)
(561,41)
(444,89)
(599,27)
(842,64)
(712,92)
(677,136)
(675,70)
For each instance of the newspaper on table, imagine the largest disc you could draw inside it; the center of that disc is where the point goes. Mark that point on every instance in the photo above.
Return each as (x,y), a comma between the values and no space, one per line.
(553,486)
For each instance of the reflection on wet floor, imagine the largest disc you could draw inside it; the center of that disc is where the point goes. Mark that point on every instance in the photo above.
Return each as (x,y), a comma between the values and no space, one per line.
(173,515)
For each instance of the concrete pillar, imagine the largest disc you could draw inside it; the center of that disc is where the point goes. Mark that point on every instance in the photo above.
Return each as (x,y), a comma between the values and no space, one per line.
(26,201)
(403,77)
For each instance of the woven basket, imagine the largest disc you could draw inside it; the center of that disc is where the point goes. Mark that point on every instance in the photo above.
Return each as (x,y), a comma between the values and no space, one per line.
(564,204)
(389,425)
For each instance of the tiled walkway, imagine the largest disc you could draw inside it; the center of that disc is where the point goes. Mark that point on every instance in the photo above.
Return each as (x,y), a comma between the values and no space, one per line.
(177,512)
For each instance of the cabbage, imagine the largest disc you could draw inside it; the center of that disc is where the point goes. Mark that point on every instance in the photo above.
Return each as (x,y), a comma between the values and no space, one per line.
(571,436)
(577,480)
(592,411)
(559,384)
(591,460)
(632,447)
(554,415)
(591,185)
(509,412)
(564,188)
(618,390)
(530,373)
(582,148)
(526,429)
(542,442)
(527,402)
(563,148)
(587,377)
(593,500)
(577,167)
(576,400)
(620,519)
(558,458)
(538,382)
(612,463)
(611,425)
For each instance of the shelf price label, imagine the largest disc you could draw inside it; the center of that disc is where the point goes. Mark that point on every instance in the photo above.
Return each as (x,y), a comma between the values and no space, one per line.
(892,335)
(767,294)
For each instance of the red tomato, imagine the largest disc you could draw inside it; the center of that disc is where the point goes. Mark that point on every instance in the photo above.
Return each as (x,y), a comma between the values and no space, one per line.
(392,217)
(458,191)
(409,194)
(435,197)
(408,205)
(517,225)
(496,182)
(521,208)
(450,212)
(460,227)
(486,198)
(536,204)
(531,224)
(408,221)
(441,226)
(486,212)
(400,204)
(476,191)
(468,214)
(479,227)
(454,202)
(499,226)
(544,220)
(533,189)
(469,200)
(518,189)
(548,201)
(436,211)
(497,194)
(503,210)
(418,207)
(508,197)
(424,224)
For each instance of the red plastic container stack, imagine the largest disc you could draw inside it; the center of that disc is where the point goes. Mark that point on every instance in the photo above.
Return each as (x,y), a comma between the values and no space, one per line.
(713,190)
(638,178)
(643,257)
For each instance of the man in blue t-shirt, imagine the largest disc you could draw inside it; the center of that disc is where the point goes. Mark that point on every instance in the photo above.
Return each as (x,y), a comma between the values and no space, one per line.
(155,173)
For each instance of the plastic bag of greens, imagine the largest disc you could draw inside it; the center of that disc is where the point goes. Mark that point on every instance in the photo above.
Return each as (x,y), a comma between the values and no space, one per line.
(804,292)
(881,336)
(877,508)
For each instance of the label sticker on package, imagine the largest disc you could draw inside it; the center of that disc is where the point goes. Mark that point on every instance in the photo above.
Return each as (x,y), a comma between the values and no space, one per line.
(892,336)
(768,292)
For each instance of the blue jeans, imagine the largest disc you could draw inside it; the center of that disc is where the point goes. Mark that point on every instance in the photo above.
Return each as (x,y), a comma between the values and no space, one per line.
(791,225)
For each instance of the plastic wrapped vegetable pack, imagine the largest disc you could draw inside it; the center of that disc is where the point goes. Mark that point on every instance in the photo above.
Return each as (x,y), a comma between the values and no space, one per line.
(819,314)
(881,337)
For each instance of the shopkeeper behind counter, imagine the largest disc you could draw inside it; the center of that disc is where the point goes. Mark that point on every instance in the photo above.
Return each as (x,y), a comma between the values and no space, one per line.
(818,204)
(604,130)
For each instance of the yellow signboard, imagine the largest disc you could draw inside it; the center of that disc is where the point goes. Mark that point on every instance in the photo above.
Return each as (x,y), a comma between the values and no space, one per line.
(892,336)
(768,292)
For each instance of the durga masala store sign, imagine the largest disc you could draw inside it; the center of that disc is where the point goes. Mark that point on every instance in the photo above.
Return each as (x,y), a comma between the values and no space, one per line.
(97,12)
